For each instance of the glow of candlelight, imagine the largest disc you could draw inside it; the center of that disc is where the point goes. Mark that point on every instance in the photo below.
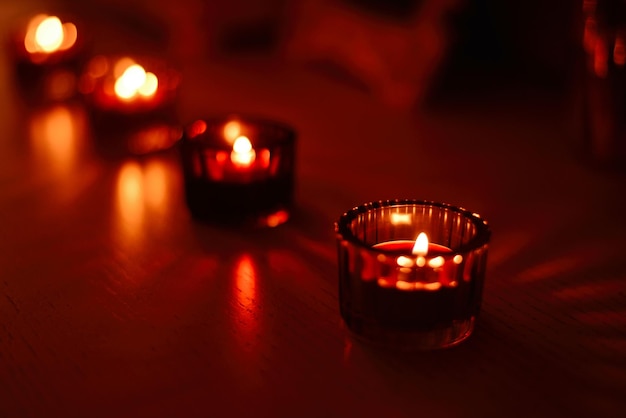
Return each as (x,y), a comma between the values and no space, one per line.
(135,81)
(47,34)
(421,245)
(243,154)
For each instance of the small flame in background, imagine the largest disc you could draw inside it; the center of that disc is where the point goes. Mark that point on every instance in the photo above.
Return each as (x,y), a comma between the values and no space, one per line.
(134,81)
(47,34)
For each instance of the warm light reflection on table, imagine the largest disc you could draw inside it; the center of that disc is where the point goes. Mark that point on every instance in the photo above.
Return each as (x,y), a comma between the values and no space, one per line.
(247,298)
(114,301)
(129,204)
(143,199)
(57,136)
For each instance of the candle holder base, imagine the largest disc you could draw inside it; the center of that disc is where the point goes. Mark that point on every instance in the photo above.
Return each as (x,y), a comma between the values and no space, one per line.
(256,204)
(444,336)
(118,134)
(47,83)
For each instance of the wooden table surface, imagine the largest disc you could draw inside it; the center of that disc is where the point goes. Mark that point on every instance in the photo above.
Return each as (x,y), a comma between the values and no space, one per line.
(115,303)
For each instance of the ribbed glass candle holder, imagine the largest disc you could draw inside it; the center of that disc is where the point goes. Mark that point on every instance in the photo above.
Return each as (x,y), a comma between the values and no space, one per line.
(239,170)
(399,291)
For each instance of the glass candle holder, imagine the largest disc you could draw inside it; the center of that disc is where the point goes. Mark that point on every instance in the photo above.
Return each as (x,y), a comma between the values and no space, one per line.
(131,103)
(49,51)
(239,170)
(411,272)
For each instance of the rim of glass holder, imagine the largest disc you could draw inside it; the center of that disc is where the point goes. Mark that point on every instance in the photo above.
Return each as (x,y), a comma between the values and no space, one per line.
(206,139)
(342,226)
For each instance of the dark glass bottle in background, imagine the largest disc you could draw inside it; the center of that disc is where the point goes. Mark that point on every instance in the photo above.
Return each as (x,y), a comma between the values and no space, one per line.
(604,86)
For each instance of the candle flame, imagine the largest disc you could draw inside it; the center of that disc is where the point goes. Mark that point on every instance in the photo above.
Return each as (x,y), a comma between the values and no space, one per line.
(243,153)
(242,144)
(421,245)
(135,81)
(47,34)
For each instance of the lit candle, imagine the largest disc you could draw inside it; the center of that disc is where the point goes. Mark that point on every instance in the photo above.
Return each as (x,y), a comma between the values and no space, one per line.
(47,36)
(48,57)
(420,247)
(417,265)
(124,85)
(131,103)
(405,292)
(238,170)
(242,164)
(243,155)
(135,83)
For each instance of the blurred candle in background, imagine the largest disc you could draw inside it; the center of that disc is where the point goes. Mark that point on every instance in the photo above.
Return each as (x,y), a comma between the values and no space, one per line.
(239,171)
(49,52)
(47,35)
(127,85)
(131,102)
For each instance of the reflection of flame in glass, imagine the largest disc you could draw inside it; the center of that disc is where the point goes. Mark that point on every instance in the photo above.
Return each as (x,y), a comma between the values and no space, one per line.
(134,80)
(54,135)
(153,138)
(400,218)
(403,261)
(96,68)
(277,218)
(46,34)
(436,262)
(196,128)
(60,85)
(121,65)
(242,154)
(232,131)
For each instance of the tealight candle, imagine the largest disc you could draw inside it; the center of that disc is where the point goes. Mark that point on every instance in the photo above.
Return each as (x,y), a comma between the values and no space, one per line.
(239,170)
(49,53)
(131,99)
(396,288)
